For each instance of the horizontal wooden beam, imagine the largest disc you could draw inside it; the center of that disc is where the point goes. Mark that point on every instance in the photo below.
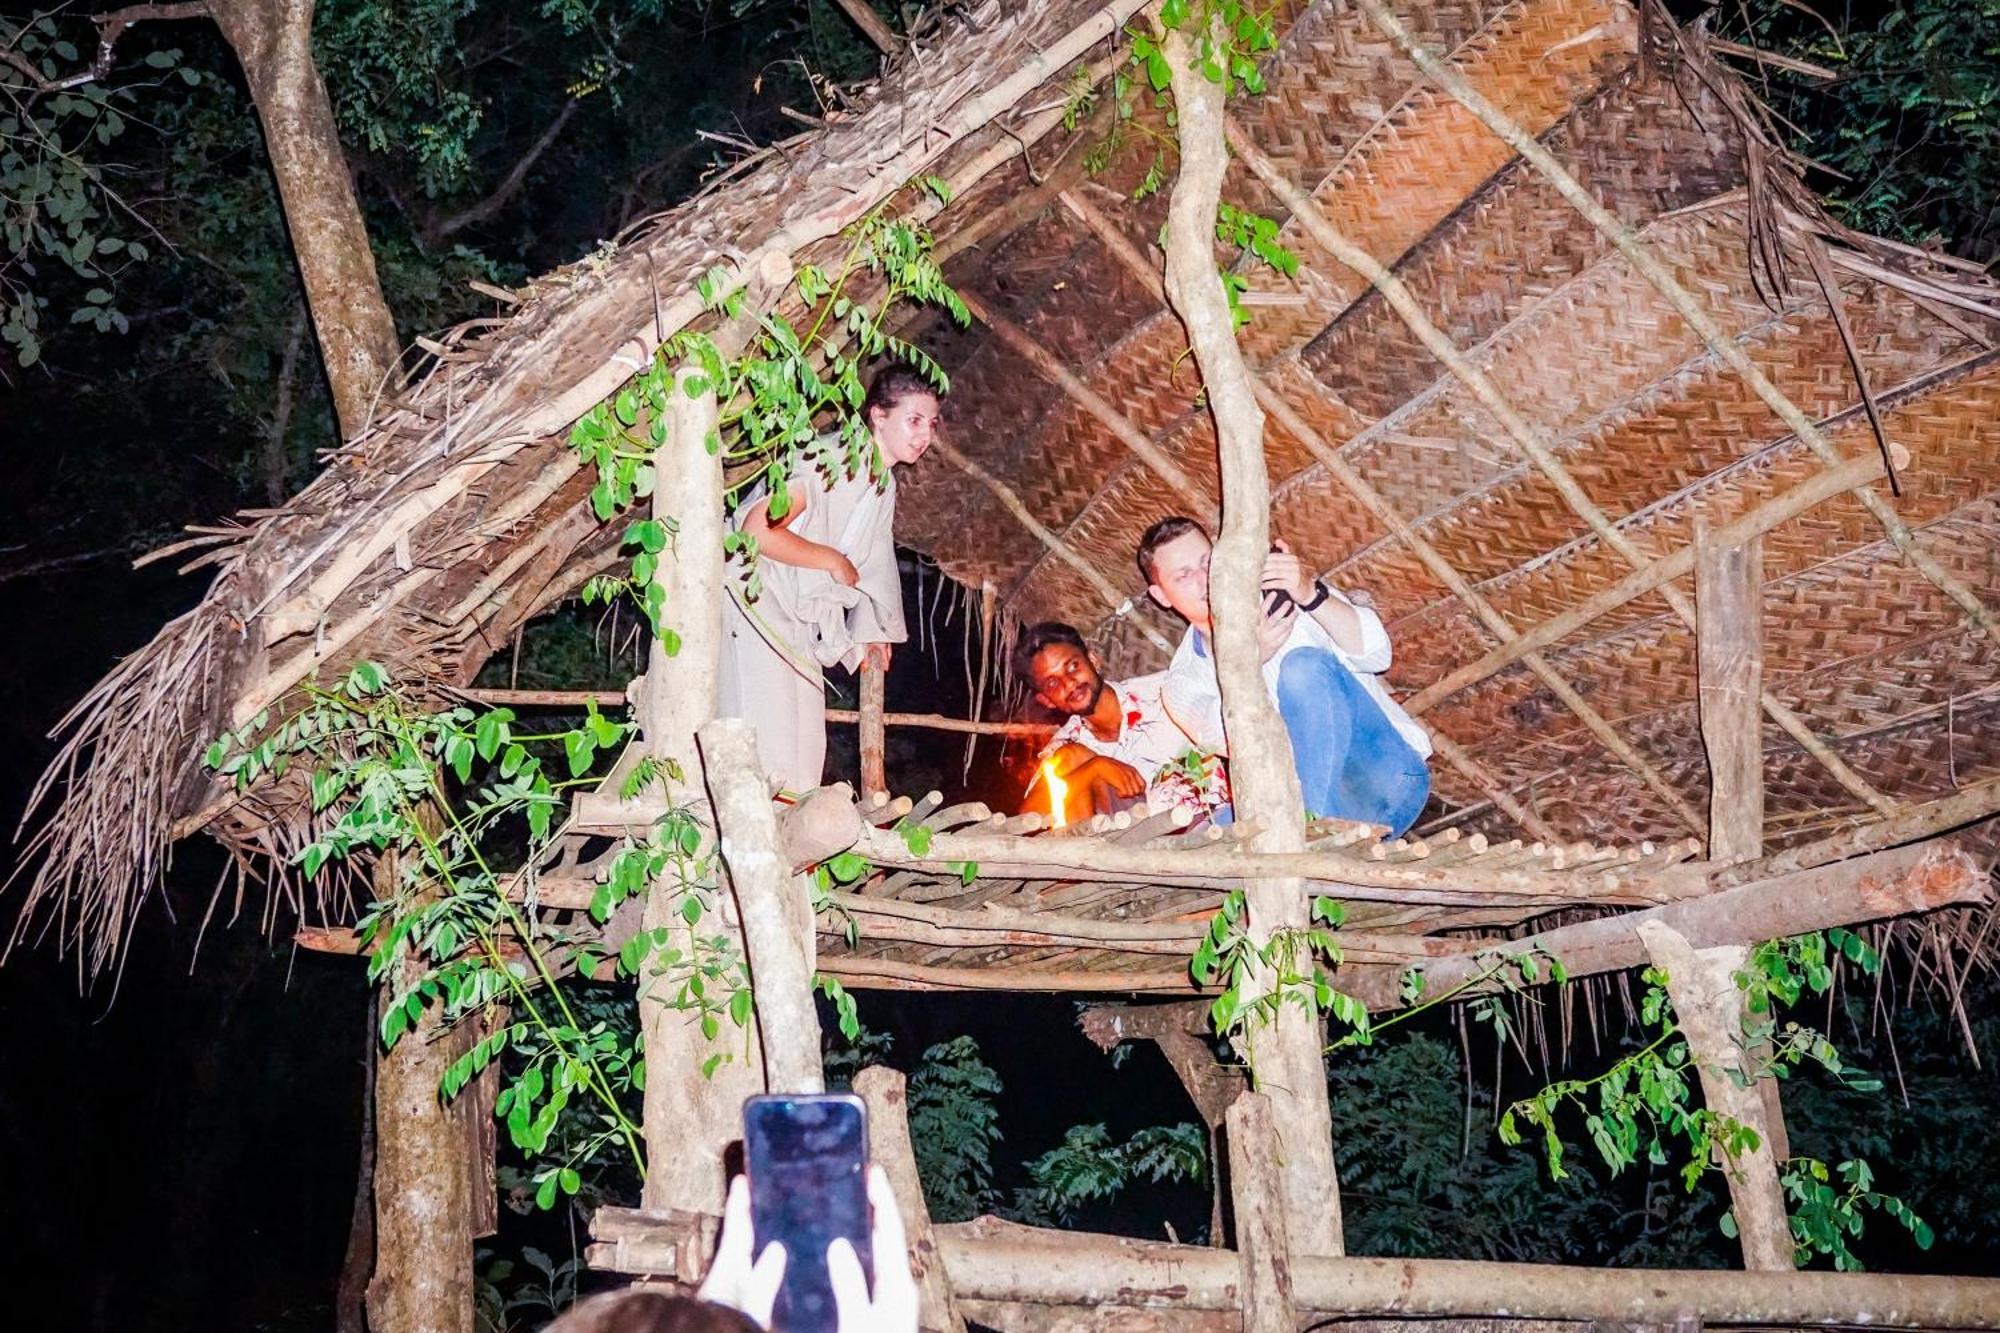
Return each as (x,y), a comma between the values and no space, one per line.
(1919,878)
(620,698)
(1977,802)
(1225,867)
(894,974)
(994,1261)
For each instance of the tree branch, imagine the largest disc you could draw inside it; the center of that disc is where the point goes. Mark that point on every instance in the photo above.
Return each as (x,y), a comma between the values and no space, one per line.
(112,26)
(508,187)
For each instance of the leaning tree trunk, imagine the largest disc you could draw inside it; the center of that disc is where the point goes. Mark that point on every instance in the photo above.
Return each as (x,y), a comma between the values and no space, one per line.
(1284,1051)
(357,337)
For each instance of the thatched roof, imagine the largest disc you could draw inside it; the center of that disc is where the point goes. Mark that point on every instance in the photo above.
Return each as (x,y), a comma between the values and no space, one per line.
(461,513)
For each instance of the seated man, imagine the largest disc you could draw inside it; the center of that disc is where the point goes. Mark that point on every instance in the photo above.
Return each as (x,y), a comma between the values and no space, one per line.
(1359,755)
(1118,747)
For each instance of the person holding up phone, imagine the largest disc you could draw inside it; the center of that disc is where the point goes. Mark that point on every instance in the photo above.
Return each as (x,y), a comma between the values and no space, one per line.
(1358,754)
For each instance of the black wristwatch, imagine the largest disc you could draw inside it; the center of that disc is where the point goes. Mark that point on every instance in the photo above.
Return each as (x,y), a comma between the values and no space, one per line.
(1320,593)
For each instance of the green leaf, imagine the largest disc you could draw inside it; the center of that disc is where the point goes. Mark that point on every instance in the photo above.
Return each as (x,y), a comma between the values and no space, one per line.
(581,749)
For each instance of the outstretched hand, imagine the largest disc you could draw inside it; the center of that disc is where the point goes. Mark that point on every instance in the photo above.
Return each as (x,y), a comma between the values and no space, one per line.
(893,1307)
(733,1280)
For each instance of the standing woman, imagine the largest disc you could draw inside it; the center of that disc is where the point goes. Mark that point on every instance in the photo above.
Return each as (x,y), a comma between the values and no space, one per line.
(826,591)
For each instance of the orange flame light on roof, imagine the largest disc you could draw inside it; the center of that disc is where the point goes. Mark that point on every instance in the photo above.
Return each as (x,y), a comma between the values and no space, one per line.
(1058,794)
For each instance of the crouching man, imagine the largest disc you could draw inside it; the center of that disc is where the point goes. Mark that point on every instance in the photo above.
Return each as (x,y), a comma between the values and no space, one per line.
(1118,749)
(1359,755)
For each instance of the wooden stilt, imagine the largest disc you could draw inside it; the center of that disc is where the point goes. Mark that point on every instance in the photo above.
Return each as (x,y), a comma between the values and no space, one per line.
(874,740)
(1258,1209)
(775,906)
(1729,650)
(886,1095)
(688,1119)
(1708,1007)
(1284,1053)
(424,1188)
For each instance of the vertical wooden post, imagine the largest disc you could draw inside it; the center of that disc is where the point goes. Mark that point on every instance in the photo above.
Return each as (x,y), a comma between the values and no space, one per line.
(775,906)
(1709,1008)
(874,733)
(689,1120)
(1262,1248)
(883,1089)
(424,1190)
(1284,1053)
(1729,651)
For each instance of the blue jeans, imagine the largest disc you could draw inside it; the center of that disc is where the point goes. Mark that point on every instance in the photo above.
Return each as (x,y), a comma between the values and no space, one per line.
(1352,762)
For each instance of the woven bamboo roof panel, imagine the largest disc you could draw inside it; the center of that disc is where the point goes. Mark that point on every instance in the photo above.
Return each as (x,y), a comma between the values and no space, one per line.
(461,513)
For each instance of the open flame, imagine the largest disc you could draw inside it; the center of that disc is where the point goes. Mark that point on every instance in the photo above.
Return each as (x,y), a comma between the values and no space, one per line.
(1058,794)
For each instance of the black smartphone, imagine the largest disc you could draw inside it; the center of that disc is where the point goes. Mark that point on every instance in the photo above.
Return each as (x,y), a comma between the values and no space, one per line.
(1276,599)
(807,1160)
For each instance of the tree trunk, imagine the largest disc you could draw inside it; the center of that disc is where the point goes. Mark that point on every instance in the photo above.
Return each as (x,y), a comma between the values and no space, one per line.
(689,1118)
(423,1180)
(1284,1052)
(357,336)
(1709,1009)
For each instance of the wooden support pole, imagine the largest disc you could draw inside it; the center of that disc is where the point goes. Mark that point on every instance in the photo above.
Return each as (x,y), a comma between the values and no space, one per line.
(775,907)
(874,738)
(1719,344)
(1024,344)
(1708,1008)
(1257,1203)
(1817,489)
(887,1098)
(424,1163)
(1121,248)
(688,1119)
(1283,1053)
(1729,653)
(1119,604)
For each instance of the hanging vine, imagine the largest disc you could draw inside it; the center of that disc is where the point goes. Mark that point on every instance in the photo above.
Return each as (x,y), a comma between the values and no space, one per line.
(1644,1105)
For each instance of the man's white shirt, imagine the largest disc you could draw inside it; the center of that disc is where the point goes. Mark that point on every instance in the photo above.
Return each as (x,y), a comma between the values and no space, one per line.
(1147,738)
(1193,699)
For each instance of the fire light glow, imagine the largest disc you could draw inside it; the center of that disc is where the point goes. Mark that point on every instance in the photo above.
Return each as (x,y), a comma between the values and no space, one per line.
(1058,794)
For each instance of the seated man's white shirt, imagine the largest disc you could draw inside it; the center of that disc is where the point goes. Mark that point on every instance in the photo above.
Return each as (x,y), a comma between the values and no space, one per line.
(1147,739)
(1193,699)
